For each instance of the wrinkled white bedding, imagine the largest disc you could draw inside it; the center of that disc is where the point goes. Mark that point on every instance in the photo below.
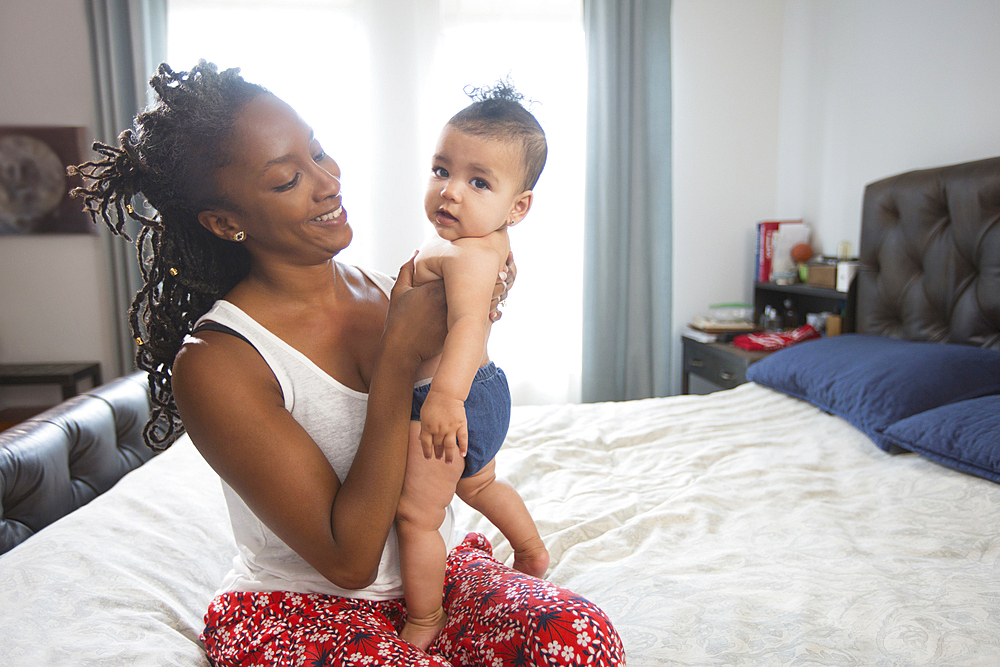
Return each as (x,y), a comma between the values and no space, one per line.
(125,579)
(740,528)
(749,528)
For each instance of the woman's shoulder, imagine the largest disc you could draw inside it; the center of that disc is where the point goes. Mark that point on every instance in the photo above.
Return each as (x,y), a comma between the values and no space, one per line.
(381,280)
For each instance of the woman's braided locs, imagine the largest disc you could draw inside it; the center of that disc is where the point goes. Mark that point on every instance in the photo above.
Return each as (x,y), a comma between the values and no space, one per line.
(170,157)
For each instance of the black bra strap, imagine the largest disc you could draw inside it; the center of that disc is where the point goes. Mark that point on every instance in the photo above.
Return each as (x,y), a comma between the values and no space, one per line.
(209,325)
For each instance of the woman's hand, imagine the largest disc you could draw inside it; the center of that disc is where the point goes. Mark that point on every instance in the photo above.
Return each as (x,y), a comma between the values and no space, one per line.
(417,321)
(504,282)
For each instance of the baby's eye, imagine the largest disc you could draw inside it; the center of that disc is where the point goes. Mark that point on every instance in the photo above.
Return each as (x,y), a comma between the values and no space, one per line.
(480,184)
(440,172)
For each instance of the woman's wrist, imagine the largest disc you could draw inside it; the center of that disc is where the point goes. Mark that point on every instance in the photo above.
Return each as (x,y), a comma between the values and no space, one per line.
(396,354)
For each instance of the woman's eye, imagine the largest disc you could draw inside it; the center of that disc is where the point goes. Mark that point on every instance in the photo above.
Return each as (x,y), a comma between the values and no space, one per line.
(289,185)
(319,156)
(480,184)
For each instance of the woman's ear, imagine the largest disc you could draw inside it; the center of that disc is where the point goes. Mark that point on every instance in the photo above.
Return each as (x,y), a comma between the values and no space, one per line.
(522,204)
(219,223)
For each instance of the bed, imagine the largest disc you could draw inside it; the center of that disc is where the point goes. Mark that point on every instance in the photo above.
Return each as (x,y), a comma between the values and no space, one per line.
(841,509)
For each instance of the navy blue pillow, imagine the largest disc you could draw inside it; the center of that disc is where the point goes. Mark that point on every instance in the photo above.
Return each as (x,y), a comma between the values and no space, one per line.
(874,382)
(964,436)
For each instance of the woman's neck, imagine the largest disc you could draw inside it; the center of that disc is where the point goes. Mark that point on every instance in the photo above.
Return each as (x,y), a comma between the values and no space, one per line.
(287,284)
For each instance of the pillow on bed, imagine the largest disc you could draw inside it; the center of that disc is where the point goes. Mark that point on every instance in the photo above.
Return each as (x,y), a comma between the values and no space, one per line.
(874,381)
(964,436)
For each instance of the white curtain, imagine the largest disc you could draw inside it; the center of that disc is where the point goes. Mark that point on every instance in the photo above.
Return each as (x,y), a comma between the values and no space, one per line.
(377,79)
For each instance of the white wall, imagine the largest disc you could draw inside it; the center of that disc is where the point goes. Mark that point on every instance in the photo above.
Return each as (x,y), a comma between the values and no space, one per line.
(53,288)
(870,89)
(787,108)
(726,67)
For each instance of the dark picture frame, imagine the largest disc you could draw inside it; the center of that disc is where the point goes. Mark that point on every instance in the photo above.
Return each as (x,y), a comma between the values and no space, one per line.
(34,186)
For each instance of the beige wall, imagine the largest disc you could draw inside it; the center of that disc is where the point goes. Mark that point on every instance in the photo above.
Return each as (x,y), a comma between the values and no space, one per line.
(53,288)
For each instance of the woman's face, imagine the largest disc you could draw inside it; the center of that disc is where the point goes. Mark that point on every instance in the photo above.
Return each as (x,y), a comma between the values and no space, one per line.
(285,188)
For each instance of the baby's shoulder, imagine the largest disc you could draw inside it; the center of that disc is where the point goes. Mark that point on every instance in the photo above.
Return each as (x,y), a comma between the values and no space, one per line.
(438,257)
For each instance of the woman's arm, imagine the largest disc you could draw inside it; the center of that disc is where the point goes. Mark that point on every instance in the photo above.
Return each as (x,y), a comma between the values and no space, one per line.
(233,409)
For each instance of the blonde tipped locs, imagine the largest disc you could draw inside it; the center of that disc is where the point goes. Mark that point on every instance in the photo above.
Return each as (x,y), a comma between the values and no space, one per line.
(168,159)
(498,112)
(113,181)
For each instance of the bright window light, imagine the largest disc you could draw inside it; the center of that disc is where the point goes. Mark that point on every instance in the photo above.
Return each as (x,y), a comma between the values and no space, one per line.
(377,80)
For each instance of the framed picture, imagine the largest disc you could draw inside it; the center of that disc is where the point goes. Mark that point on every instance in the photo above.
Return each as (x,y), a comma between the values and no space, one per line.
(34,187)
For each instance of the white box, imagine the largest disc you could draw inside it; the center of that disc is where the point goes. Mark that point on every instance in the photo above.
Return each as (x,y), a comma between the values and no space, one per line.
(845,274)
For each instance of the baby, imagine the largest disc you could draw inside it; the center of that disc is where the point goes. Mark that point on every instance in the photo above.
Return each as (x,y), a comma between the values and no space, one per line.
(487,161)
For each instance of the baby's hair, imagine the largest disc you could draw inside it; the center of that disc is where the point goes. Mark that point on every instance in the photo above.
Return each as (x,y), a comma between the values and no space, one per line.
(170,157)
(496,112)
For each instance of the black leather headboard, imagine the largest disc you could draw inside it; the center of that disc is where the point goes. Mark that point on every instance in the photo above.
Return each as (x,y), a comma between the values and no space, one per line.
(68,455)
(930,255)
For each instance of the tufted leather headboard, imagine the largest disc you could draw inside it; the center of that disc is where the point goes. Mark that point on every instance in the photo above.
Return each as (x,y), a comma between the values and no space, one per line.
(929,268)
(68,455)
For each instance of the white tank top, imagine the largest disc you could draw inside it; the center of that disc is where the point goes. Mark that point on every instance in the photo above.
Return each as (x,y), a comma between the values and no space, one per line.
(334,416)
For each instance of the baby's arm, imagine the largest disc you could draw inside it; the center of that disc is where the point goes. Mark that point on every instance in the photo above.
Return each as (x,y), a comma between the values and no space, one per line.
(469,272)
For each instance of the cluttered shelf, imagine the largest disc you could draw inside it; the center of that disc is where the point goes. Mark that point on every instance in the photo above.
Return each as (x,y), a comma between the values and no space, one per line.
(802,288)
(798,295)
(779,316)
(836,307)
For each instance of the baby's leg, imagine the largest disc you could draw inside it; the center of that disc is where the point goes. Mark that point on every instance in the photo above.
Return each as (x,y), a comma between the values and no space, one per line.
(428,488)
(499,502)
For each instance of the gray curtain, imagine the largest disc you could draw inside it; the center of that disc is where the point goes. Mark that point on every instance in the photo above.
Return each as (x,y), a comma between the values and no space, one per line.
(626,311)
(128,42)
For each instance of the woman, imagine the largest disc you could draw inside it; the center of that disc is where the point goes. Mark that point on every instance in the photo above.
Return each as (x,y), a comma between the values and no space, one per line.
(295,385)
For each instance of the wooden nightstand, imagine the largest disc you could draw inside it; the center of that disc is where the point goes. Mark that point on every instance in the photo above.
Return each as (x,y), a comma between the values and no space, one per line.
(722,364)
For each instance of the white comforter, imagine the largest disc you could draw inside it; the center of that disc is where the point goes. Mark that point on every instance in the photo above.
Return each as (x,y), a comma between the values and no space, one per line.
(741,528)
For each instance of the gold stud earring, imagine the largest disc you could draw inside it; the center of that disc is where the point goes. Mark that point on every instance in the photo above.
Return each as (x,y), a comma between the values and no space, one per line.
(239,236)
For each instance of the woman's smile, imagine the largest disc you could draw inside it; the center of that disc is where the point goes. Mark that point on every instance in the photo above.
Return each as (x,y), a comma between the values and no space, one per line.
(332,215)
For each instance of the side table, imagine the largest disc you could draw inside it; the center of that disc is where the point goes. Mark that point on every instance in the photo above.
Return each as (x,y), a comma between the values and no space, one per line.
(722,364)
(65,375)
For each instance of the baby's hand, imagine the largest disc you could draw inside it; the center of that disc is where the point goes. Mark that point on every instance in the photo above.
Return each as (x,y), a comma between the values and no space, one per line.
(443,427)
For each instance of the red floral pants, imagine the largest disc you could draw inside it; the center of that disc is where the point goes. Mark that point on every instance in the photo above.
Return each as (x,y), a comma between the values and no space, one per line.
(497,617)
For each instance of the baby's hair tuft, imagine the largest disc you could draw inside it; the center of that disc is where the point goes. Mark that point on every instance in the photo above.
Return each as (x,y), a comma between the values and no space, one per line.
(498,112)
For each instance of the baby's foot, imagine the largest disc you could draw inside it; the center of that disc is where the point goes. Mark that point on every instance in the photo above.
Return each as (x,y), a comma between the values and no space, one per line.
(532,559)
(421,632)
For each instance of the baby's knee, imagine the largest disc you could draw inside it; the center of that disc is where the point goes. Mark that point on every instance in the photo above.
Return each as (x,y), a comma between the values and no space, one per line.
(411,514)
(468,488)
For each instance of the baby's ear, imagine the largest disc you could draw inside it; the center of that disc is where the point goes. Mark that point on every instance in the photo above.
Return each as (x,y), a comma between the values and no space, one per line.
(522,204)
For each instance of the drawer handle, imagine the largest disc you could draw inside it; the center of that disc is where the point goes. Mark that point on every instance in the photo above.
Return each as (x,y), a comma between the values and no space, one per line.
(727,376)
(697,363)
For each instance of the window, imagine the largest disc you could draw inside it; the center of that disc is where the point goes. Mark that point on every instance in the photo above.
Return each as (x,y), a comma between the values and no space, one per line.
(377,79)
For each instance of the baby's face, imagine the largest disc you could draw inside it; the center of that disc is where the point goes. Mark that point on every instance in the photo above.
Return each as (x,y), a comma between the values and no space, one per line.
(473,186)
